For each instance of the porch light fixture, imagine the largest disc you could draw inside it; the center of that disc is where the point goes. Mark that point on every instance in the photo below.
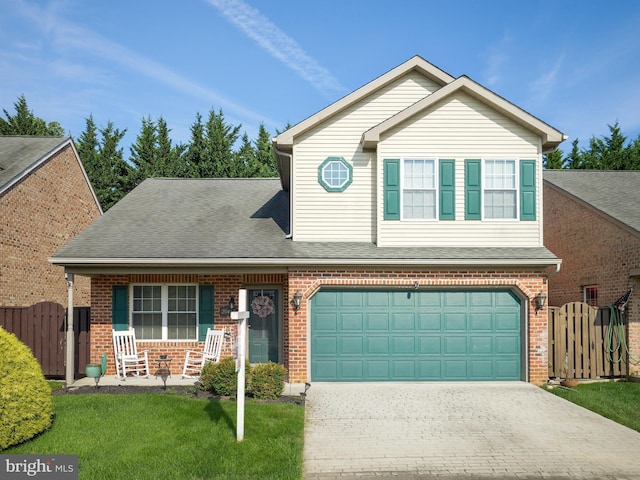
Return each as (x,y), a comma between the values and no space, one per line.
(231,307)
(297,300)
(541,299)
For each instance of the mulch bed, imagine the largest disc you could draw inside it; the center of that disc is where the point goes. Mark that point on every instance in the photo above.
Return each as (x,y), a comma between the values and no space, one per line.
(170,390)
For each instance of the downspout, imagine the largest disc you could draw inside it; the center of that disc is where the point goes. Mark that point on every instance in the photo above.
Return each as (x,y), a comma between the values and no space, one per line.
(290,157)
(70,367)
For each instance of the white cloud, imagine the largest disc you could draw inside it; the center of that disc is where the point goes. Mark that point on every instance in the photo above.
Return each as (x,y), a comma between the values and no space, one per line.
(67,37)
(497,57)
(543,86)
(278,44)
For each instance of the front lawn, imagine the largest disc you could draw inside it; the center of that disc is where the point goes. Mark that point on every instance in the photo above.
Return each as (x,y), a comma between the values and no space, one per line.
(151,436)
(618,401)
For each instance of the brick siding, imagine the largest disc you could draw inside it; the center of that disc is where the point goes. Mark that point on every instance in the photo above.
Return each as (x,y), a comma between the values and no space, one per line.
(38,215)
(594,250)
(295,324)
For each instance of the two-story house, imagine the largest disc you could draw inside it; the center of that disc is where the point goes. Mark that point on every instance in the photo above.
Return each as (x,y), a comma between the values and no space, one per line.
(403,241)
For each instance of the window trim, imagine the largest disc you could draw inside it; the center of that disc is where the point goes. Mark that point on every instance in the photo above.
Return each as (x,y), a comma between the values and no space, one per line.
(436,188)
(164,310)
(325,184)
(484,189)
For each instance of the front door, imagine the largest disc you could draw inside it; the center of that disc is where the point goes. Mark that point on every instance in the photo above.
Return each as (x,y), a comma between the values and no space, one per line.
(263,326)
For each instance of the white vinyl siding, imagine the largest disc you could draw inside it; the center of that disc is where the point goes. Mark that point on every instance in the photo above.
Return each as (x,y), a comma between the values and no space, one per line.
(459,127)
(348,216)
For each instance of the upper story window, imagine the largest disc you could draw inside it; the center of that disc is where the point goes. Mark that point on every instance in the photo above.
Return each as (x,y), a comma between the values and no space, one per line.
(164,312)
(500,190)
(419,192)
(335,174)
(590,293)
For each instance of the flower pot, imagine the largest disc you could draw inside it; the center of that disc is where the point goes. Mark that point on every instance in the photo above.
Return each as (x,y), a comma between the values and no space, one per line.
(93,370)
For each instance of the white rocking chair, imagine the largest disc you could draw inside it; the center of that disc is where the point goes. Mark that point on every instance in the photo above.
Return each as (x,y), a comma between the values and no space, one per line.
(195,360)
(127,357)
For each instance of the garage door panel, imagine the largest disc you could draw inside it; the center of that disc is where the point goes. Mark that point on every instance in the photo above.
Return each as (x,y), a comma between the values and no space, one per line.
(326,322)
(404,345)
(351,322)
(352,345)
(377,322)
(377,370)
(455,321)
(415,335)
(480,345)
(351,369)
(403,369)
(323,345)
(429,345)
(455,345)
(480,322)
(430,321)
(403,321)
(507,345)
(378,345)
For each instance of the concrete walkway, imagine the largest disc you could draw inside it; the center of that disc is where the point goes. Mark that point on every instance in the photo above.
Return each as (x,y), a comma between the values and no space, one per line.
(460,431)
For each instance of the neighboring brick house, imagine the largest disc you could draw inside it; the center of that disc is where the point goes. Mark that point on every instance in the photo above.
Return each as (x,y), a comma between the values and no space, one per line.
(403,241)
(45,200)
(592,221)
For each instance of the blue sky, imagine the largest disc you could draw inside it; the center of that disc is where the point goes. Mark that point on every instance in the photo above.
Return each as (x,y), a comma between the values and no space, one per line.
(573,64)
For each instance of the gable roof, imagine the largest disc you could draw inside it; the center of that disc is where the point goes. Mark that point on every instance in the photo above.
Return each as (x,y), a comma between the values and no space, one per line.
(20,155)
(551,137)
(215,223)
(284,141)
(613,193)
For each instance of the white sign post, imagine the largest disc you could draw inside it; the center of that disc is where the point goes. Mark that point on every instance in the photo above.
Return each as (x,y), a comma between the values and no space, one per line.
(241,315)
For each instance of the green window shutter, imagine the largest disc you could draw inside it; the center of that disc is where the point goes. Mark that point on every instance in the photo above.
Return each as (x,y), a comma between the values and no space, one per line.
(472,189)
(392,189)
(120,307)
(205,311)
(527,189)
(447,190)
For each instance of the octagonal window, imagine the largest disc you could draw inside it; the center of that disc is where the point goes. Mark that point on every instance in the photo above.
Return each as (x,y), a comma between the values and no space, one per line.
(335,174)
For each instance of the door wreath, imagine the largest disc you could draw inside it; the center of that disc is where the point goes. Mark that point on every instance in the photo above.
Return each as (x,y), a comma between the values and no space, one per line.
(262,306)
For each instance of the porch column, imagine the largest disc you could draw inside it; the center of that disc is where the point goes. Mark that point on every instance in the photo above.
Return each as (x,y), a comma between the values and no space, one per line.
(69,377)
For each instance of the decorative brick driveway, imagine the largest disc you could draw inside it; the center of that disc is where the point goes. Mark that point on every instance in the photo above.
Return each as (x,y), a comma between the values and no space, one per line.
(460,431)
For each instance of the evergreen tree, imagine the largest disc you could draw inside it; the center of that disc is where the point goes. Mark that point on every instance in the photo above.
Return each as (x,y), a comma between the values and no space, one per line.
(195,153)
(553,160)
(220,138)
(246,163)
(24,122)
(109,174)
(264,154)
(143,152)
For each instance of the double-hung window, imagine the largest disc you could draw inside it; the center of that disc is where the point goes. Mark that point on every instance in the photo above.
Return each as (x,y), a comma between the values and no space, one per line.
(419,189)
(500,190)
(165,312)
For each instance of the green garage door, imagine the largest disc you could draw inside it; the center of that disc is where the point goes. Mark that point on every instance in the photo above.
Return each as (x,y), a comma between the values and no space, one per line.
(369,335)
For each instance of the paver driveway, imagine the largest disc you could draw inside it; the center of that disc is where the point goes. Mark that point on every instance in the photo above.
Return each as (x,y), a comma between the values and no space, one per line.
(460,431)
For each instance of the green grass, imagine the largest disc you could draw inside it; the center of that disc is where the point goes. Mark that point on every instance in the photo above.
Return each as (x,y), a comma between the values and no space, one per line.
(151,436)
(618,401)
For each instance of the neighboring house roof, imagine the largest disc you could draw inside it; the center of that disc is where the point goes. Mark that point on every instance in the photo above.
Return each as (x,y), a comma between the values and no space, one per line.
(22,154)
(213,223)
(19,155)
(613,193)
(551,137)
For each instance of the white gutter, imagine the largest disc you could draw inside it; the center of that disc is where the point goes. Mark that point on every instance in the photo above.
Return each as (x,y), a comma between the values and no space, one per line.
(195,262)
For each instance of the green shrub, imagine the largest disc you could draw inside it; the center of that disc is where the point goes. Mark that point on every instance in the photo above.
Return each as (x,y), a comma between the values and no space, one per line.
(220,378)
(26,406)
(266,380)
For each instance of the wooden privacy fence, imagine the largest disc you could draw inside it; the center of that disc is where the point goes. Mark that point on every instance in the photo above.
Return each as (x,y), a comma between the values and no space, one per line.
(578,343)
(42,327)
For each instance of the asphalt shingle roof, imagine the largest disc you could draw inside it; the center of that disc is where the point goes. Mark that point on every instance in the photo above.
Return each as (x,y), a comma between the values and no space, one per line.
(615,193)
(18,154)
(235,220)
